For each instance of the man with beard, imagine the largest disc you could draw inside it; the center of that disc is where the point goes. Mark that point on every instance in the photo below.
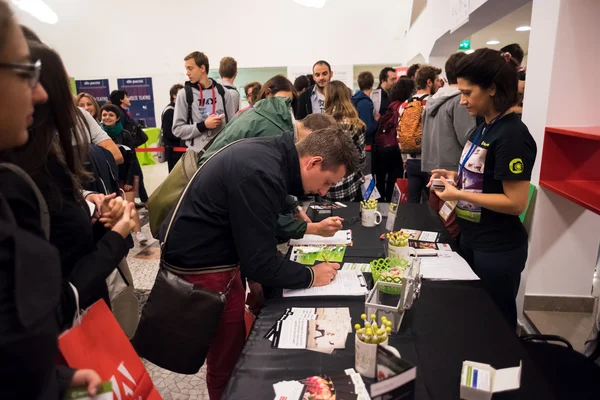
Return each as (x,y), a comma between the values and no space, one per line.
(312,100)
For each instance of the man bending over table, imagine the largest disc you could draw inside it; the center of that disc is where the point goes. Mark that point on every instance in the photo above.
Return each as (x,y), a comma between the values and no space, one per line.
(228,217)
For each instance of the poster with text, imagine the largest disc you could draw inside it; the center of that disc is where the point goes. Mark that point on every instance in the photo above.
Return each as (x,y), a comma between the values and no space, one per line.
(141,97)
(96,87)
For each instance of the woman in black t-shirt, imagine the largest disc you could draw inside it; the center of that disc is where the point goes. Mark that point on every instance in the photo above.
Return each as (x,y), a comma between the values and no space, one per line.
(492,185)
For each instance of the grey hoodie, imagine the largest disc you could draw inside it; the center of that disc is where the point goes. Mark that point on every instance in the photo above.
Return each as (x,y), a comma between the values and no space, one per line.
(196,135)
(446,128)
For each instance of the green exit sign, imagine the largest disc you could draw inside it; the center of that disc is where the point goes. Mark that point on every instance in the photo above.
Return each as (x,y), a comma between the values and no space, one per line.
(465,45)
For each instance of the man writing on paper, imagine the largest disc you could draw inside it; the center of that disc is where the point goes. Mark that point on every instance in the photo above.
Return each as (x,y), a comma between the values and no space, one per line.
(228,216)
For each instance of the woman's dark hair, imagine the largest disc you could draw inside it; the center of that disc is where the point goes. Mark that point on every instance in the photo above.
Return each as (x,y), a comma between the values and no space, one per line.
(402,90)
(117,96)
(450,66)
(301,83)
(173,91)
(30,34)
(59,129)
(111,108)
(6,22)
(276,84)
(487,68)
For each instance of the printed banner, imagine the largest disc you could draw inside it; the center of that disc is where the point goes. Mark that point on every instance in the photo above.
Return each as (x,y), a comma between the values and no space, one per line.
(96,87)
(141,97)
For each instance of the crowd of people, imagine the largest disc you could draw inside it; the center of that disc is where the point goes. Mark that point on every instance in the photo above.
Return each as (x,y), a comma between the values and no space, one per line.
(70,176)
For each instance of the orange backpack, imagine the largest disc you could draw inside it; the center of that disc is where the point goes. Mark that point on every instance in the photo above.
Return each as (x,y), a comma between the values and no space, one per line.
(410,128)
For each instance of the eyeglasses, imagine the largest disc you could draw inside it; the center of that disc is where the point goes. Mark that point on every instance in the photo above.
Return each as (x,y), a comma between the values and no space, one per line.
(29,71)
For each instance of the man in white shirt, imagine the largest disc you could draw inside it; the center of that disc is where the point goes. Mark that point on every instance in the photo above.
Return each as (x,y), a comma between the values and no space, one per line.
(313,99)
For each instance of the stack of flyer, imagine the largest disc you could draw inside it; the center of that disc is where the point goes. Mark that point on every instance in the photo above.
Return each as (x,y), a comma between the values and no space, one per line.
(343,386)
(317,329)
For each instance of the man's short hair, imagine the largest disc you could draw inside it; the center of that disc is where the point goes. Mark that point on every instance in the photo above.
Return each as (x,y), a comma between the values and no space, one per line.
(318,121)
(199,58)
(383,75)
(117,96)
(334,145)
(228,68)
(412,70)
(450,66)
(174,89)
(425,73)
(322,62)
(301,83)
(111,108)
(515,50)
(365,80)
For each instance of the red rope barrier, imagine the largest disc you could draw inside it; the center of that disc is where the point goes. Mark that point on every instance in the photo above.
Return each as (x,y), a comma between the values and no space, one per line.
(159,149)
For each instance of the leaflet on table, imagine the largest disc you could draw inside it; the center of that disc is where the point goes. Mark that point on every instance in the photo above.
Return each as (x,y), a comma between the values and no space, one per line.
(451,267)
(429,249)
(103,392)
(339,386)
(340,238)
(322,336)
(395,376)
(308,255)
(422,236)
(339,315)
(362,267)
(346,283)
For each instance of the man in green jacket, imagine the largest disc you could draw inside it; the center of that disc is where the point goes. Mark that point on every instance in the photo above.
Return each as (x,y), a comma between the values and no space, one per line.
(271,117)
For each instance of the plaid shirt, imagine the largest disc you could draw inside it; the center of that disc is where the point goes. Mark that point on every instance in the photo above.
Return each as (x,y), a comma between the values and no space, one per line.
(348,188)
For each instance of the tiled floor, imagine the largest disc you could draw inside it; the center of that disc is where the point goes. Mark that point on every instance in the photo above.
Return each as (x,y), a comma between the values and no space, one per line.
(575,327)
(170,385)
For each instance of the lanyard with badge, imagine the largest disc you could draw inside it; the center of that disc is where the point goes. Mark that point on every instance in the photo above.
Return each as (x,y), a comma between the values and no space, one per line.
(449,206)
(203,111)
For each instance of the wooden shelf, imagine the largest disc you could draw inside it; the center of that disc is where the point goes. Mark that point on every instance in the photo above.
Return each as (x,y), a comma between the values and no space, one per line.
(571,164)
(584,193)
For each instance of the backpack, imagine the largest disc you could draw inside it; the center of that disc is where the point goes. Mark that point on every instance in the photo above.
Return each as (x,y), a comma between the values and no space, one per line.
(410,128)
(105,170)
(386,135)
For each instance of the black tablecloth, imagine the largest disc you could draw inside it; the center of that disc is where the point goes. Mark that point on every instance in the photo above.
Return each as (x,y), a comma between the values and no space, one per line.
(450,322)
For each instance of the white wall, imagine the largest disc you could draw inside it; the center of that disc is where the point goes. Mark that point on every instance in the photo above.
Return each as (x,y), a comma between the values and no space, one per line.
(138,38)
(562,62)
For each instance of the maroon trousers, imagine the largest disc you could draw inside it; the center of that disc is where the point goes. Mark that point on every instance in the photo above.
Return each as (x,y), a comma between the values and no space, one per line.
(230,336)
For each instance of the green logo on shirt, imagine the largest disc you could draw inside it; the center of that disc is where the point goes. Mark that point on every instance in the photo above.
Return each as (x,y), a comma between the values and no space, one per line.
(516,166)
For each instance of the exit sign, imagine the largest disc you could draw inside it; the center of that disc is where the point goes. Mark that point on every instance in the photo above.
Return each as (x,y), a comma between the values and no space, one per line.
(465,45)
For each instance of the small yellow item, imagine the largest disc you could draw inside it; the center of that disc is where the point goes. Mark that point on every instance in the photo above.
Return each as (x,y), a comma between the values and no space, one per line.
(373,316)
(363,316)
(357,326)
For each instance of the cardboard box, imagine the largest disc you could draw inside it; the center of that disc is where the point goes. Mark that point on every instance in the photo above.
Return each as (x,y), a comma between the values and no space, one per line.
(480,381)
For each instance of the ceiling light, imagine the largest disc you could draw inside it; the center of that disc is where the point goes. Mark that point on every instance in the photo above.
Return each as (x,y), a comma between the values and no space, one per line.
(523,28)
(312,3)
(469,51)
(39,9)
(492,42)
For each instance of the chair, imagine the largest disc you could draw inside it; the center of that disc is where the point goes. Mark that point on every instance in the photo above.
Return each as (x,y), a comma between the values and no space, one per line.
(571,375)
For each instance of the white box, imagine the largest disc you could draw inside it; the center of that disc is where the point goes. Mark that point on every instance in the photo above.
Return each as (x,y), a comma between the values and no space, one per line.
(480,381)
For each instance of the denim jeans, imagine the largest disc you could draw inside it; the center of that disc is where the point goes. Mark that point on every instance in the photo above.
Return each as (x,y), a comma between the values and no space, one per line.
(417,180)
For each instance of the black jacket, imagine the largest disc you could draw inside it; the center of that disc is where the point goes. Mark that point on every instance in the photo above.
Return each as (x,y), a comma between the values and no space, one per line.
(229,213)
(304,106)
(30,293)
(169,139)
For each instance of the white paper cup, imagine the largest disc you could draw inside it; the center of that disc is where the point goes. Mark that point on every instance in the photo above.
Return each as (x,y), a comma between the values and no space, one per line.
(365,357)
(370,218)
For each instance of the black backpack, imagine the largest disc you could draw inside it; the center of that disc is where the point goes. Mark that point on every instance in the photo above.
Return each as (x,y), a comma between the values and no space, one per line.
(189,97)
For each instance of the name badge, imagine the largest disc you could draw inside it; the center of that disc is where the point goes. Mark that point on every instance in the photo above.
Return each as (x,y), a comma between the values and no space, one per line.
(447,209)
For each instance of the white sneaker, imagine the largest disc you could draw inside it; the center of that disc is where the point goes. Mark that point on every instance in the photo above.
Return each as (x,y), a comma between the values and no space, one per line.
(141,238)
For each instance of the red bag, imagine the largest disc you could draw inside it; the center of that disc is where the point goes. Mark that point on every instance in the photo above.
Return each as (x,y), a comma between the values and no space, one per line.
(403,186)
(100,344)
